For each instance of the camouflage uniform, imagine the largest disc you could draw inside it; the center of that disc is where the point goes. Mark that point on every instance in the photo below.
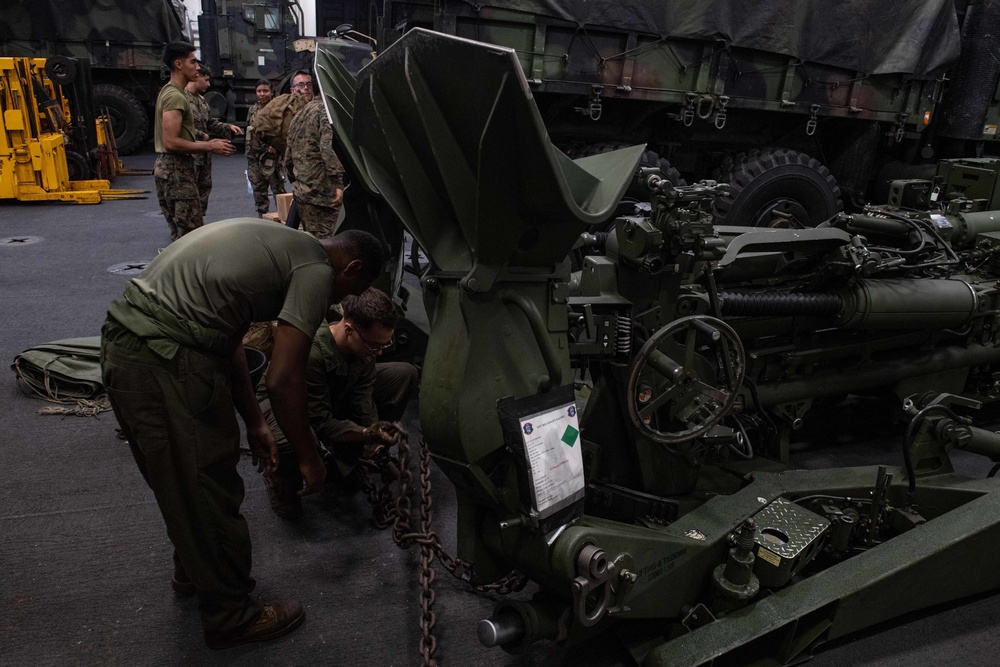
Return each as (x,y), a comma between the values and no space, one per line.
(260,177)
(175,173)
(314,169)
(207,127)
(344,395)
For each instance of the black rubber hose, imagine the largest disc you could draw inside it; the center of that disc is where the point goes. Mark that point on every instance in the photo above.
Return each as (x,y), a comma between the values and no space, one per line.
(769,304)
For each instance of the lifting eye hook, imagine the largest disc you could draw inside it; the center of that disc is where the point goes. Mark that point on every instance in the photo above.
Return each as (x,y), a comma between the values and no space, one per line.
(595,578)
(703,112)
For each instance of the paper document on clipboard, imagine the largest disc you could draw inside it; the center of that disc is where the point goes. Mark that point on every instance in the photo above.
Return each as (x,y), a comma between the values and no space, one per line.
(555,461)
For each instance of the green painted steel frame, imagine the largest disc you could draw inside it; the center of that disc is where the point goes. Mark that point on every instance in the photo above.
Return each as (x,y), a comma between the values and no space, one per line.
(467,166)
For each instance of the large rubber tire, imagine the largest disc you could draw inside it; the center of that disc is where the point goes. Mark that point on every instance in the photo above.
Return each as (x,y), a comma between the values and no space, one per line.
(777,181)
(637,189)
(60,70)
(79,167)
(128,117)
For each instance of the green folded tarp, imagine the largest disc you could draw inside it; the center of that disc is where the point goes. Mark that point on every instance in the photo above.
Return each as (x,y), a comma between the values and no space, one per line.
(67,372)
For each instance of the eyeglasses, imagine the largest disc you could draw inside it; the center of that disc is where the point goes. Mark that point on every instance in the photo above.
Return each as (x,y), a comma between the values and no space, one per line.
(301,86)
(374,347)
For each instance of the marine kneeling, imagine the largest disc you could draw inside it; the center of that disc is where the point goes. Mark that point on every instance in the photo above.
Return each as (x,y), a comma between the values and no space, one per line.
(352,399)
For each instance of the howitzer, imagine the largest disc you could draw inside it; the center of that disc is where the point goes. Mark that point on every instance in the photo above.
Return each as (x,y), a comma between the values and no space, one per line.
(609,400)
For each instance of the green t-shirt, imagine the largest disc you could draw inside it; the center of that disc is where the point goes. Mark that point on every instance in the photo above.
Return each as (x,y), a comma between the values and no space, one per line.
(171,98)
(230,273)
(341,392)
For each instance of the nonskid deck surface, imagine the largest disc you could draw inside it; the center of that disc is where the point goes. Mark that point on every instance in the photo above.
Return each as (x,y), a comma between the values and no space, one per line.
(85,563)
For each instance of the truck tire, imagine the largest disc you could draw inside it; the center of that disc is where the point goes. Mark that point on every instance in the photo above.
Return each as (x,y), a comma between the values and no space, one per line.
(638,189)
(128,118)
(777,180)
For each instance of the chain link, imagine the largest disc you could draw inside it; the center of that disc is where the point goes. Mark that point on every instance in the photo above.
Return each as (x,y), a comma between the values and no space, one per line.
(395,511)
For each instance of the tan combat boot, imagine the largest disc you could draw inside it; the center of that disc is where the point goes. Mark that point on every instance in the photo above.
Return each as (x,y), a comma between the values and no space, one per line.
(276,619)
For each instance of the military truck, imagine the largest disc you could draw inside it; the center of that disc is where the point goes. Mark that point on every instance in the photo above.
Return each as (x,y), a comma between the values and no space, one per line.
(801,107)
(123,39)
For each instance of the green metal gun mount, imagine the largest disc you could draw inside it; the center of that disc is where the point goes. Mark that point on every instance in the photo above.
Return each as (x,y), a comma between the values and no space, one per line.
(611,391)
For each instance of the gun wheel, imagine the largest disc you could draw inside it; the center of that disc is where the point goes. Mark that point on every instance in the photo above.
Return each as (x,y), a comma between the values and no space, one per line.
(685,379)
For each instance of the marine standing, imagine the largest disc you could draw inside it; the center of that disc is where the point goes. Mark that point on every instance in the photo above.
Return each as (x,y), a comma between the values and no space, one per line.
(264,167)
(176,143)
(312,166)
(173,364)
(206,126)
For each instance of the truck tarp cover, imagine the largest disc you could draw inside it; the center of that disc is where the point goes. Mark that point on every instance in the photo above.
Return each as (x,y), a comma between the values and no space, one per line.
(90,20)
(914,37)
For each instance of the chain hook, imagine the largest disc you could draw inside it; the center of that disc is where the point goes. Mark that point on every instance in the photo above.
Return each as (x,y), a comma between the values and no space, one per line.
(813,120)
(687,113)
(720,115)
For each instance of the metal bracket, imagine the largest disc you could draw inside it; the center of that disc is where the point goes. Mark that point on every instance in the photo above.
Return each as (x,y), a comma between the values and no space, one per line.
(595,579)
(705,113)
(698,617)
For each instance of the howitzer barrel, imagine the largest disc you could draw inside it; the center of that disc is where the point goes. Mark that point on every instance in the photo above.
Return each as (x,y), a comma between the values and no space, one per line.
(983,442)
(872,376)
(909,304)
(972,224)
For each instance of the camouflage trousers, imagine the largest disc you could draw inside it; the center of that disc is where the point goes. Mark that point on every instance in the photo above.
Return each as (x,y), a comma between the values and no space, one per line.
(320,221)
(176,181)
(203,167)
(180,422)
(261,179)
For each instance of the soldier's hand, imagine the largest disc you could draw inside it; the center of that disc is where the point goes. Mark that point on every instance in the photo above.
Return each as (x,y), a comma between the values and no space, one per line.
(263,449)
(221,147)
(338,197)
(237,130)
(384,433)
(313,473)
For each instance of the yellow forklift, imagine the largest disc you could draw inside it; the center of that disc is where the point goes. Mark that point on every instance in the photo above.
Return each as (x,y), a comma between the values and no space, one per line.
(50,148)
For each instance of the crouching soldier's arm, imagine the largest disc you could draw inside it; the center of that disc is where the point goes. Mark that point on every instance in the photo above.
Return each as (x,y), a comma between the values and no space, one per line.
(286,388)
(348,440)
(342,437)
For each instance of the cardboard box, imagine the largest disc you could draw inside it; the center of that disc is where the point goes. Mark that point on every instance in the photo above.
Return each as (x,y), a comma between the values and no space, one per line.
(284,202)
(272,216)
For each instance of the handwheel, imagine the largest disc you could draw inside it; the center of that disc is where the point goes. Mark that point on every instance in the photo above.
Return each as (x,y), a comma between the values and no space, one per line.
(685,379)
